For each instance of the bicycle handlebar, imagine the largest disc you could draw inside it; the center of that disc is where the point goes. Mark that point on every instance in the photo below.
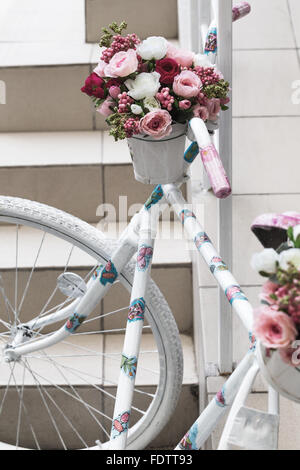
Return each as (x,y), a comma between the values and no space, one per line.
(240,10)
(211,159)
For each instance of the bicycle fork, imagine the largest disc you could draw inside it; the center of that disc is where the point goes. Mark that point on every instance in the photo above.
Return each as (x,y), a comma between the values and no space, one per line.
(135,323)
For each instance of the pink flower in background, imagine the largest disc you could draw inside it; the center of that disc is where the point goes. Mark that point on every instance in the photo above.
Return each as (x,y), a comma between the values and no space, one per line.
(187,84)
(201,112)
(291,355)
(268,289)
(214,107)
(100,69)
(158,124)
(114,91)
(122,64)
(105,107)
(181,56)
(184,104)
(275,329)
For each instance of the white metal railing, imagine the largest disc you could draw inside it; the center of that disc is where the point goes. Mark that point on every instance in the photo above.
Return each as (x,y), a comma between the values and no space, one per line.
(194,19)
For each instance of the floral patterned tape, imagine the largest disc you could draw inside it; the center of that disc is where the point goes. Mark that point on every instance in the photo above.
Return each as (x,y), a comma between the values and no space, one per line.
(156,196)
(108,274)
(74,322)
(217,264)
(188,442)
(144,257)
(185,214)
(234,293)
(220,398)
(191,152)
(137,310)
(129,365)
(211,44)
(120,424)
(252,339)
(97,271)
(200,239)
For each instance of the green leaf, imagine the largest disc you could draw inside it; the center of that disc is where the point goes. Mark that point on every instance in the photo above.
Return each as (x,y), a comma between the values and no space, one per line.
(297,242)
(264,274)
(290,233)
(283,247)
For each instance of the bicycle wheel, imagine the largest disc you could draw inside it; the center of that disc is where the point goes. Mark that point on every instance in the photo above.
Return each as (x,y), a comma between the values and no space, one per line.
(63,397)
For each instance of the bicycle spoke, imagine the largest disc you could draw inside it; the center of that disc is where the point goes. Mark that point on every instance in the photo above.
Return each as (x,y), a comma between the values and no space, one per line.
(57,366)
(60,411)
(16,274)
(26,413)
(20,410)
(31,273)
(48,410)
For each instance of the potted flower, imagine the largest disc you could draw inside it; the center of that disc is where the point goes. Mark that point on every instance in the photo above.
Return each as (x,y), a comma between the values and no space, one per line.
(277,320)
(148,91)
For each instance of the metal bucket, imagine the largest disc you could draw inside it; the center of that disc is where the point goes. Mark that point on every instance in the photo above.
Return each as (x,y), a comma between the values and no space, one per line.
(159,161)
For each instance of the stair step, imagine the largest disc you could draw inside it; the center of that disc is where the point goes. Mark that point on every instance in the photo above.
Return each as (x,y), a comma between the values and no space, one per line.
(171,271)
(73,171)
(145,19)
(52,76)
(146,381)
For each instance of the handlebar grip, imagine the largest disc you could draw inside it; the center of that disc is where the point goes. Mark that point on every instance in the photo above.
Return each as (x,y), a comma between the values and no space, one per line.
(211,159)
(240,10)
(215,171)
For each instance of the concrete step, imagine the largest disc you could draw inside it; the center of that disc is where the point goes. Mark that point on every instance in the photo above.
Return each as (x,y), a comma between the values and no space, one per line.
(91,371)
(73,171)
(171,271)
(145,19)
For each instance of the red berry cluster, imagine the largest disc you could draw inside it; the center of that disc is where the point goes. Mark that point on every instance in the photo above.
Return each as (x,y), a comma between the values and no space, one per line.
(165,98)
(132,126)
(120,44)
(207,75)
(124,102)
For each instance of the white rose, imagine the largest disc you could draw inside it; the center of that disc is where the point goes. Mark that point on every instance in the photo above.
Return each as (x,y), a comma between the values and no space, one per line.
(151,103)
(201,60)
(289,256)
(154,47)
(136,109)
(265,261)
(144,86)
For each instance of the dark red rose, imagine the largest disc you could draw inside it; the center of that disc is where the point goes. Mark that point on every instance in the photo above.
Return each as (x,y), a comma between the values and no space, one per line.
(113,82)
(168,69)
(94,86)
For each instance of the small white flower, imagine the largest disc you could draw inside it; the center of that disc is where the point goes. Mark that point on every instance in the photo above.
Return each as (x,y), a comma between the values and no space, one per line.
(201,60)
(151,103)
(154,47)
(296,232)
(265,261)
(136,109)
(144,86)
(290,256)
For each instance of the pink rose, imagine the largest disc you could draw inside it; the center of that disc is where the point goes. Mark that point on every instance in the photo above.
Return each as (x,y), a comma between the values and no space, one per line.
(201,112)
(274,328)
(214,107)
(187,84)
(114,91)
(100,69)
(157,123)
(105,107)
(184,104)
(182,57)
(268,289)
(122,64)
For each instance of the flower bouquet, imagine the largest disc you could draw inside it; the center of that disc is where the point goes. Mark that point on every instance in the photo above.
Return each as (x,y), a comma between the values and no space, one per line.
(277,320)
(148,91)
